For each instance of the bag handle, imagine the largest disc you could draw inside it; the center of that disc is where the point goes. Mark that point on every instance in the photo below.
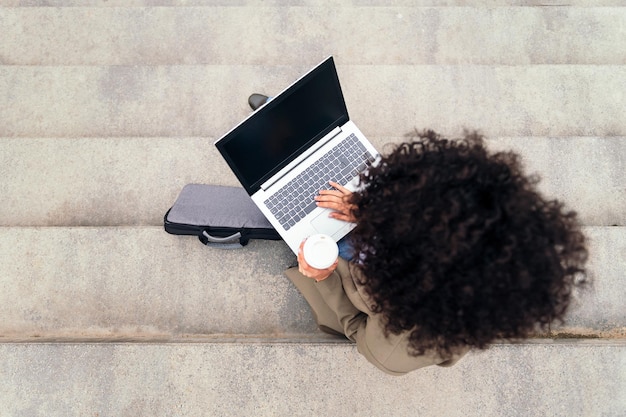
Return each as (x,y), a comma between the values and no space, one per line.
(221,242)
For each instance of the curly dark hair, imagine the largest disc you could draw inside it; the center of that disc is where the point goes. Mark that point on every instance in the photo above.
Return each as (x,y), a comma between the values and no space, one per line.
(458,247)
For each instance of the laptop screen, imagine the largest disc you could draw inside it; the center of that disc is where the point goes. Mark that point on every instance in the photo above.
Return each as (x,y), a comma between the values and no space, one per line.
(285,127)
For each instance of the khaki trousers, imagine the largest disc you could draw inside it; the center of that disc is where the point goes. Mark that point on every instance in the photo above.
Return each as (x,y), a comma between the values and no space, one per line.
(325,317)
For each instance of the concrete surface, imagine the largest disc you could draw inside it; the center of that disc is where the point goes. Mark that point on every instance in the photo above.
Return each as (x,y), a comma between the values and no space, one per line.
(190,100)
(141,283)
(275,379)
(108,188)
(109,107)
(245,33)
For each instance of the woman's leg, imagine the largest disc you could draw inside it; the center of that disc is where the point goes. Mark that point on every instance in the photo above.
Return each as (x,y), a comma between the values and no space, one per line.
(326,318)
(345,248)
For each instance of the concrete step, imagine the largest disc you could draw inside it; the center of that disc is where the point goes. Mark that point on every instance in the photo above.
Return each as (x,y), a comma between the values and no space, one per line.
(308,3)
(133,181)
(277,379)
(252,33)
(110,107)
(139,283)
(384,100)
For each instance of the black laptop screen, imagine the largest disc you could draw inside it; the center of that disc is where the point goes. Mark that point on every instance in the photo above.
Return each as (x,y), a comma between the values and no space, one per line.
(285,127)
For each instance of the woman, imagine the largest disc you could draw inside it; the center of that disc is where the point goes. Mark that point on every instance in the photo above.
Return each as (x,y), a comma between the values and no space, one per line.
(453,249)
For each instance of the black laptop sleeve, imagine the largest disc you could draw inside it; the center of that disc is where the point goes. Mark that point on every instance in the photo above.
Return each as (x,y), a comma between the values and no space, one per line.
(220,216)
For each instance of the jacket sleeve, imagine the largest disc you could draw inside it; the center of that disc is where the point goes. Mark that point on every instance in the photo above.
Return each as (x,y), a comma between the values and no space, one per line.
(351,318)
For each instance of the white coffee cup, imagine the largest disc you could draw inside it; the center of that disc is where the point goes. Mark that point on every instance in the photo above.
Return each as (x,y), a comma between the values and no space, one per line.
(320,251)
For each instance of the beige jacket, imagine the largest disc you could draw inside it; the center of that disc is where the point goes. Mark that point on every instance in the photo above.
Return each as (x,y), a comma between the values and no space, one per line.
(351,306)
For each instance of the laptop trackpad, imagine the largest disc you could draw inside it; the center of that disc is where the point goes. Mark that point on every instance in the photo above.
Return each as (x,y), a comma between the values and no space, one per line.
(327,225)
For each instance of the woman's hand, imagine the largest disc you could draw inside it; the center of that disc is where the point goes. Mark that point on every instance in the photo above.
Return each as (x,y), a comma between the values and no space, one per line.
(339,201)
(308,271)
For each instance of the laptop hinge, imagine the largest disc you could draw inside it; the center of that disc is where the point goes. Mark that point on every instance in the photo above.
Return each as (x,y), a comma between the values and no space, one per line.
(293,164)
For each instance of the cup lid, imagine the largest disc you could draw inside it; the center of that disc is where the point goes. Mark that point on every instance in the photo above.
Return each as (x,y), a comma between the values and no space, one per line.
(320,251)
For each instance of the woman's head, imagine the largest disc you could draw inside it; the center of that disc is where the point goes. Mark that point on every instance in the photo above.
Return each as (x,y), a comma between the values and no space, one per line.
(457,246)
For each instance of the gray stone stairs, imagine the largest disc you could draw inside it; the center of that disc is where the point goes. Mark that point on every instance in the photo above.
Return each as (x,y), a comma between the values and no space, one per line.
(108,108)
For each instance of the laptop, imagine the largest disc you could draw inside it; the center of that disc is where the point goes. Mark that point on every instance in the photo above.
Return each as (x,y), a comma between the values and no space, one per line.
(286,151)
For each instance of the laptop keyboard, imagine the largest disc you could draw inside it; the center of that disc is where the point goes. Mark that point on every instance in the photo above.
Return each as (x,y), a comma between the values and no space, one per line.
(296,199)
